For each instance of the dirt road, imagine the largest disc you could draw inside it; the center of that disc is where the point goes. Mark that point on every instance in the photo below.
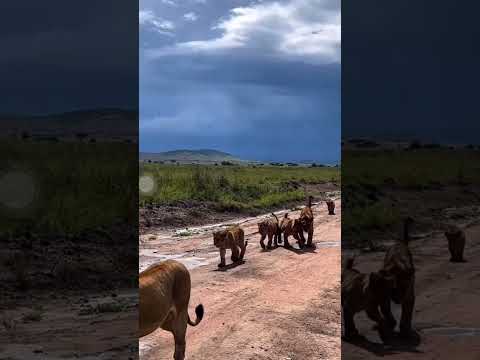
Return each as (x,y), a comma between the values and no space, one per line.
(446,312)
(279,304)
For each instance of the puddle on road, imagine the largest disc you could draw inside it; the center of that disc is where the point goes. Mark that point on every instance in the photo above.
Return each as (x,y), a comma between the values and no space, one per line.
(452,331)
(325,244)
(149,257)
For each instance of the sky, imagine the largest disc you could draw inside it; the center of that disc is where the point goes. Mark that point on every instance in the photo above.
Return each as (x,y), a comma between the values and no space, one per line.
(62,56)
(410,70)
(257,79)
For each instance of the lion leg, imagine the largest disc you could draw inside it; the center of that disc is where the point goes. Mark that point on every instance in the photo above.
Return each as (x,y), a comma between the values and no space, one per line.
(269,244)
(285,241)
(262,243)
(386,310)
(179,333)
(235,253)
(351,331)
(310,236)
(243,250)
(406,318)
(223,252)
(275,240)
(374,315)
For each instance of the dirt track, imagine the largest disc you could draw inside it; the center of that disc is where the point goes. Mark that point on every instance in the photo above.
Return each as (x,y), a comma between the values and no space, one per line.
(446,313)
(279,304)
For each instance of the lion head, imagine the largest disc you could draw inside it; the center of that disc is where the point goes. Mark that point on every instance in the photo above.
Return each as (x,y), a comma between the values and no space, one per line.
(219,238)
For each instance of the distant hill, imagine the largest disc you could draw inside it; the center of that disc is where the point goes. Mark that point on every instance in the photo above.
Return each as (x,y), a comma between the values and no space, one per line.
(94,123)
(191,156)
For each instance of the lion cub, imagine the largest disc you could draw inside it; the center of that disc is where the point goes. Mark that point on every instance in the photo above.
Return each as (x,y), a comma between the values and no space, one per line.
(398,262)
(365,292)
(330,207)
(232,238)
(456,243)
(306,221)
(270,228)
(291,227)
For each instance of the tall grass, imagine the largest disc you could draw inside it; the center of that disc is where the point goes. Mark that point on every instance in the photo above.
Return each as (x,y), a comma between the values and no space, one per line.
(411,168)
(232,187)
(78,185)
(368,173)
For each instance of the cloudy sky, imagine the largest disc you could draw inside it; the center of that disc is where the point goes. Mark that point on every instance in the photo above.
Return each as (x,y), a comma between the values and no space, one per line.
(258,79)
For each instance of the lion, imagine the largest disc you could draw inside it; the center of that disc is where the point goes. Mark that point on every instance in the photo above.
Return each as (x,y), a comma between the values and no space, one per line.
(164,291)
(306,221)
(398,262)
(232,238)
(456,243)
(270,228)
(365,292)
(291,227)
(330,207)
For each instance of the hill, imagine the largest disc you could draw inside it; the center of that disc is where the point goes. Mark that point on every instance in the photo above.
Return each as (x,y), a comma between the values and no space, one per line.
(96,123)
(203,156)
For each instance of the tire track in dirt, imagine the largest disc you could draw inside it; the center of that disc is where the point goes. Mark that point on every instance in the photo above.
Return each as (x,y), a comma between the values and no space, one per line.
(279,304)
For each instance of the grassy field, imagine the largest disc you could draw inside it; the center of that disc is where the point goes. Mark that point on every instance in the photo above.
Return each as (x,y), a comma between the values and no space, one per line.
(379,187)
(411,168)
(77,185)
(233,188)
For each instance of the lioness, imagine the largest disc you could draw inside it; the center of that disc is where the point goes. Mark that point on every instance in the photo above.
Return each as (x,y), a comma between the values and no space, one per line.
(398,262)
(164,291)
(306,221)
(456,243)
(232,238)
(270,228)
(291,227)
(365,292)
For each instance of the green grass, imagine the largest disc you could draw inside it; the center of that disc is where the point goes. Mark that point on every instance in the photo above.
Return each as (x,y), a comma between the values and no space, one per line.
(369,174)
(411,168)
(78,186)
(232,188)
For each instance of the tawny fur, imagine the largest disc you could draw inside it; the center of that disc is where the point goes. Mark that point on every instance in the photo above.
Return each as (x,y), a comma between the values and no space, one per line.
(398,262)
(232,238)
(456,243)
(330,207)
(164,294)
(306,221)
(270,228)
(291,227)
(364,292)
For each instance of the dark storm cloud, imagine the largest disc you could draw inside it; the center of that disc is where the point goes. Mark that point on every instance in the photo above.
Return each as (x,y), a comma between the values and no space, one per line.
(256,103)
(410,70)
(58,55)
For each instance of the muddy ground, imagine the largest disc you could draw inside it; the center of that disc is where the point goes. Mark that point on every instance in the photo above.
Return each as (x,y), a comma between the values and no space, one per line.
(279,304)
(65,297)
(446,315)
(159,217)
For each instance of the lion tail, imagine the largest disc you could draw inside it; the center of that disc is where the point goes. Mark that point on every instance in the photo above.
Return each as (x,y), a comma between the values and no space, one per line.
(275,216)
(199,311)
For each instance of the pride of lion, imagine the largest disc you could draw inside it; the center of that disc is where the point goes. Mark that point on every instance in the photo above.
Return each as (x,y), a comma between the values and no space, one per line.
(165,287)
(395,281)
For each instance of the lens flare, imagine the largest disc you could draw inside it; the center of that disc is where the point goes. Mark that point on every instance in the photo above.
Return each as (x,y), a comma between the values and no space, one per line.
(17,190)
(146,184)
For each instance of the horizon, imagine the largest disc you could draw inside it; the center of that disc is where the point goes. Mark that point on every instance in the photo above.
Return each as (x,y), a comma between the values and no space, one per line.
(212,77)
(244,159)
